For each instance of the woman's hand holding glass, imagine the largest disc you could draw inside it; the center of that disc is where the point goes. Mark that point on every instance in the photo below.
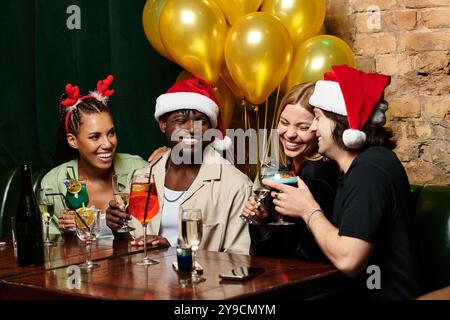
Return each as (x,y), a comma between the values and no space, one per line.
(66,220)
(251,213)
(255,212)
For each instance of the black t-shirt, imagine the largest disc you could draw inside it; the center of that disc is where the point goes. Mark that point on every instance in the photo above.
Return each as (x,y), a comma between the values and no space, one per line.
(295,241)
(373,203)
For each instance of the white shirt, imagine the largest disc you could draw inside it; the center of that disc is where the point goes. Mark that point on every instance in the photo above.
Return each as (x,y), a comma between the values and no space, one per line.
(170,215)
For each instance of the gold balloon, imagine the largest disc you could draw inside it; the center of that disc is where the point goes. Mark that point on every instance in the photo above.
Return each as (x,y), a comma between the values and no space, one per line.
(316,56)
(226,77)
(258,53)
(194,32)
(234,9)
(150,21)
(302,18)
(323,30)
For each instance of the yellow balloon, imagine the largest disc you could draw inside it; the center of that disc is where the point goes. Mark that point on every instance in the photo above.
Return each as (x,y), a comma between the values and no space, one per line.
(258,53)
(194,32)
(323,30)
(316,56)
(226,77)
(150,21)
(302,18)
(234,9)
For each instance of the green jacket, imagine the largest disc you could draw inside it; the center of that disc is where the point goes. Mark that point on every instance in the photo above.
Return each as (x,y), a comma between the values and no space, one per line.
(54,179)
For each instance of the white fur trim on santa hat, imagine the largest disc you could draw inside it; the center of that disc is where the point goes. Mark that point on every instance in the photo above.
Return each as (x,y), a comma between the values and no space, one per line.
(353,139)
(223,144)
(328,96)
(187,100)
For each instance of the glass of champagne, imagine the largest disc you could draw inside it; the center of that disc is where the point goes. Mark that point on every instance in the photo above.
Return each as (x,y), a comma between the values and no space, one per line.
(47,207)
(285,177)
(192,233)
(121,188)
(144,205)
(259,191)
(87,222)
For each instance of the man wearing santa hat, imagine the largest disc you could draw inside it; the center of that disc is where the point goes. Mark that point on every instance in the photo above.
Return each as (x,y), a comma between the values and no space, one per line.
(369,237)
(192,175)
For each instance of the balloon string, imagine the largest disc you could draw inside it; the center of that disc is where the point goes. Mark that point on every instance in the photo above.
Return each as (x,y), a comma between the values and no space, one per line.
(258,163)
(245,124)
(275,111)
(265,144)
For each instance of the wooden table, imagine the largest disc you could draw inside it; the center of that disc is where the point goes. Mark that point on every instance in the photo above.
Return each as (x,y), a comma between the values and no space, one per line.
(69,250)
(118,278)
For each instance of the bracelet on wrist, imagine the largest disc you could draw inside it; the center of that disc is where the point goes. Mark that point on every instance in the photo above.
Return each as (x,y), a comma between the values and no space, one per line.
(310,216)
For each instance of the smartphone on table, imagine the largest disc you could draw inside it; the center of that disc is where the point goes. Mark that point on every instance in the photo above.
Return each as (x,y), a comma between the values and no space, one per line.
(241,273)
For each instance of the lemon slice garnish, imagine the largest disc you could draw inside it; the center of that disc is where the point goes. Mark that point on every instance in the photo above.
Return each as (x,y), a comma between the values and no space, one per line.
(87,215)
(75,186)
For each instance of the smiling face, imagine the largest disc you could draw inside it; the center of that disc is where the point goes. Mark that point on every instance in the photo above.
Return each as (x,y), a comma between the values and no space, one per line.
(180,126)
(294,131)
(96,140)
(323,128)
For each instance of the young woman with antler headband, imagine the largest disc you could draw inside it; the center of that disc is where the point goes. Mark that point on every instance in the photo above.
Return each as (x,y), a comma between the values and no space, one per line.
(87,143)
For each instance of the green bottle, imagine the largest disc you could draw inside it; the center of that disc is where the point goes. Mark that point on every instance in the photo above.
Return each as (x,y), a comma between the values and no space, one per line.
(30,246)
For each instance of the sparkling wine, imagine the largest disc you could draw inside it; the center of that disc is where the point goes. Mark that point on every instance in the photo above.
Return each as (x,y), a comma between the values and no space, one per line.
(122,198)
(261,193)
(47,211)
(192,232)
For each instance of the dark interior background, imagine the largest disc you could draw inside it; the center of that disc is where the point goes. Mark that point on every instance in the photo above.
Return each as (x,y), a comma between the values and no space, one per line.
(39,55)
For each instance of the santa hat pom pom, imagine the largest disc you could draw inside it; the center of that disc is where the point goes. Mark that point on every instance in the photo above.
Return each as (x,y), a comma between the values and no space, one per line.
(223,144)
(353,139)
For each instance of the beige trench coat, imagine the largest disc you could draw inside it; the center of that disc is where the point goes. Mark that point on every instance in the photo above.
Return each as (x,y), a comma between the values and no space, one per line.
(220,190)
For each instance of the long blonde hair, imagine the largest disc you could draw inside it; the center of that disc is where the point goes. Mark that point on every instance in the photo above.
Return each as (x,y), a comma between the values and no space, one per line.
(298,94)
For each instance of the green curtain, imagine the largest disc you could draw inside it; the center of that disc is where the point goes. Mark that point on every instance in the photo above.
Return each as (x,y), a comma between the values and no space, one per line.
(39,55)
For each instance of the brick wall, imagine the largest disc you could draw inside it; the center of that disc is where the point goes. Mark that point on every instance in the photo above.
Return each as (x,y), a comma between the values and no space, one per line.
(410,40)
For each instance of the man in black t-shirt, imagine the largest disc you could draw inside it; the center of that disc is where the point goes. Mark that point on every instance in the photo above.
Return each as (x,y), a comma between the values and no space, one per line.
(369,237)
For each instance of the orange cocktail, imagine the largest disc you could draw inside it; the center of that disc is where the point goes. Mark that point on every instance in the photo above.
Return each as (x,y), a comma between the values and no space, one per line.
(138,200)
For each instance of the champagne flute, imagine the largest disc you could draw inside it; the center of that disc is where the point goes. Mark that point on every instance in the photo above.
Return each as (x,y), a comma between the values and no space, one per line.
(121,189)
(285,177)
(87,222)
(47,207)
(192,233)
(260,191)
(144,205)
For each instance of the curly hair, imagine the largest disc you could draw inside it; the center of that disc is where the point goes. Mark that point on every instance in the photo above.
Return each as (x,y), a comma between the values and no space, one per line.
(64,152)
(376,134)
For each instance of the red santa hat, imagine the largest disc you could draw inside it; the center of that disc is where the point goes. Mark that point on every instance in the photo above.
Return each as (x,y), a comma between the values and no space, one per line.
(352,93)
(194,94)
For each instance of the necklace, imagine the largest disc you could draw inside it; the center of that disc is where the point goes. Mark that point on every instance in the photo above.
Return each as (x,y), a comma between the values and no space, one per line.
(176,199)
(182,193)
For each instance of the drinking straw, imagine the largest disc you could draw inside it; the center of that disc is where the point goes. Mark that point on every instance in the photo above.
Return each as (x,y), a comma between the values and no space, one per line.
(70,206)
(149,187)
(73,171)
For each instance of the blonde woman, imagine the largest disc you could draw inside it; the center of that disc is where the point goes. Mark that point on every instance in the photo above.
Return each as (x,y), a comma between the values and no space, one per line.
(298,153)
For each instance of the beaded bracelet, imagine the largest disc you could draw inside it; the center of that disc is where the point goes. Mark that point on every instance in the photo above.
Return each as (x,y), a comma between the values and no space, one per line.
(310,216)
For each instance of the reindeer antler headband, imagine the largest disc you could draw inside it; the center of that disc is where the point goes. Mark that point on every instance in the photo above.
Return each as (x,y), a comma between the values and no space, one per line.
(102,94)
